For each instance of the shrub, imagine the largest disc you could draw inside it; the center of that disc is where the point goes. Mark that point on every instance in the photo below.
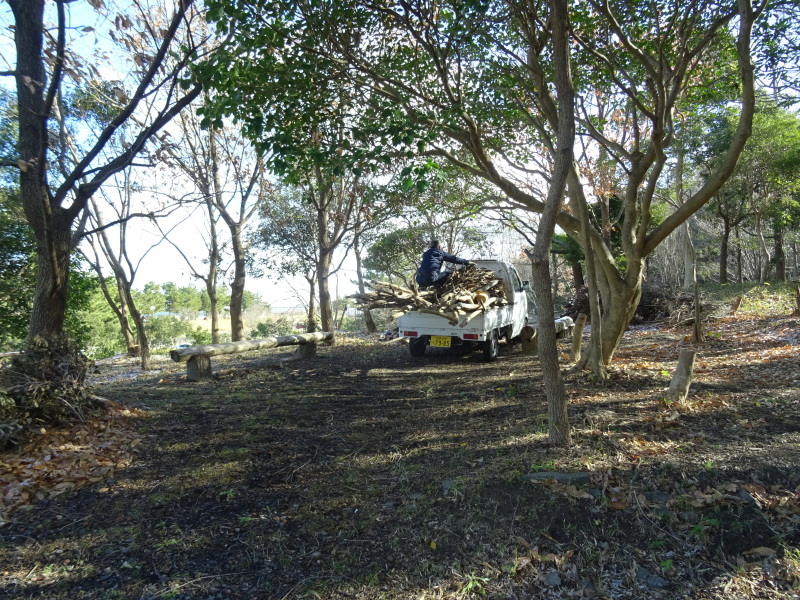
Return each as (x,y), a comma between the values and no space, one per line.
(273,327)
(163,330)
(200,337)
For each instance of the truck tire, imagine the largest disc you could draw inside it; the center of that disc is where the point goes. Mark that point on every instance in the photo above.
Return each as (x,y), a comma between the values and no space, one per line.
(491,346)
(417,346)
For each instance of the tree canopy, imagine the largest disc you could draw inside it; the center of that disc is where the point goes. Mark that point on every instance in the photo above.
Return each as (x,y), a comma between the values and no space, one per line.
(473,84)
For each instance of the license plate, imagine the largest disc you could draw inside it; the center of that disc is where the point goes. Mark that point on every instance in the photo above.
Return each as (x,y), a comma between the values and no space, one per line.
(440,341)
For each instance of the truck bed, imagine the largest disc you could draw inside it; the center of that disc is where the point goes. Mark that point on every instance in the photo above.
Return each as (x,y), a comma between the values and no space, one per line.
(482,324)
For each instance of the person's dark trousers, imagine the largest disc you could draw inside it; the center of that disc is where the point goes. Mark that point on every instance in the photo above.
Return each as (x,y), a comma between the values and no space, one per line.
(428,279)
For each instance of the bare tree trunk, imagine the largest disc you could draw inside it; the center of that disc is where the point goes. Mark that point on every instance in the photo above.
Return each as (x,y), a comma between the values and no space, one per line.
(577,276)
(595,317)
(739,278)
(780,255)
(141,336)
(688,258)
(51,224)
(764,257)
(324,262)
(212,308)
(311,324)
(577,337)
(558,416)
(368,322)
(697,327)
(723,250)
(554,265)
(50,221)
(123,280)
(323,284)
(121,311)
(688,248)
(237,286)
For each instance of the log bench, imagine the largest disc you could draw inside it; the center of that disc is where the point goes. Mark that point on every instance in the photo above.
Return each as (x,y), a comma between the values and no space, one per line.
(530,343)
(198,358)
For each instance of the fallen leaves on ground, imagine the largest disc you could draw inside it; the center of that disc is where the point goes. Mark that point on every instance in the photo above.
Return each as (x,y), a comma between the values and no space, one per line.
(58,461)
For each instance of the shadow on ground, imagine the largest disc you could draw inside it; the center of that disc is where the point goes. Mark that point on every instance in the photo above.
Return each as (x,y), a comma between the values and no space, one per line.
(369,474)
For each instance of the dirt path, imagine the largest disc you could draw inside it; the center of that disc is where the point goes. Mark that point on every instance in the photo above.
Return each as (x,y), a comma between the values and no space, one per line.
(369,474)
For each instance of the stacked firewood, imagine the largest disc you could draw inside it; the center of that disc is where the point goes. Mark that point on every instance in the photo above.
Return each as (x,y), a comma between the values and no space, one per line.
(467,293)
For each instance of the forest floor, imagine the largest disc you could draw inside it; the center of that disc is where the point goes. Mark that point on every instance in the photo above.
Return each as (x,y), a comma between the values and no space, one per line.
(369,474)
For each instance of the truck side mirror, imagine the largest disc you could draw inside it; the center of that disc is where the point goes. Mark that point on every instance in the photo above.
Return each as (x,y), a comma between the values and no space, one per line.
(526,286)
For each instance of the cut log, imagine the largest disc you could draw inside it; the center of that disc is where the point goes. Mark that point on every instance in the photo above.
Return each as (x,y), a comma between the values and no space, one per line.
(185,354)
(682,378)
(463,292)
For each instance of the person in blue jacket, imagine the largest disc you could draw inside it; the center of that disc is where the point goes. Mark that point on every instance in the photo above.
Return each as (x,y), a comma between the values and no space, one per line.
(430,269)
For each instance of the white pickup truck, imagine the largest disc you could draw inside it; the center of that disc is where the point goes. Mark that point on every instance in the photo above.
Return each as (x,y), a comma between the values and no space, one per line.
(484,330)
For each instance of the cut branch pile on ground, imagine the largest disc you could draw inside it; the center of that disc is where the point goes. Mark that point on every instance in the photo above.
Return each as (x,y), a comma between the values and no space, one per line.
(657,305)
(467,293)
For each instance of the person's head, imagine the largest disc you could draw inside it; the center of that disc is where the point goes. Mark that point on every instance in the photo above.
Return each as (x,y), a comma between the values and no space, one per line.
(435,244)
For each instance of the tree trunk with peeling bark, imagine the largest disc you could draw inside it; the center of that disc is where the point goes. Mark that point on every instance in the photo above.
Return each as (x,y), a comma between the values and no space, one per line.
(46,209)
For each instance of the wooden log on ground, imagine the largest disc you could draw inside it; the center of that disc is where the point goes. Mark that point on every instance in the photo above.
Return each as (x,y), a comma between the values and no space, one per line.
(184,354)
(577,337)
(682,378)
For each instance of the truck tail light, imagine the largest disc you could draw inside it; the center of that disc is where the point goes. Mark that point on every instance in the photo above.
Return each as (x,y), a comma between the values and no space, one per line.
(470,336)
(410,333)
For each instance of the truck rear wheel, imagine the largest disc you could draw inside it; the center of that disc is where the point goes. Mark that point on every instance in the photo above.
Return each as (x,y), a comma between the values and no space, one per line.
(491,346)
(417,346)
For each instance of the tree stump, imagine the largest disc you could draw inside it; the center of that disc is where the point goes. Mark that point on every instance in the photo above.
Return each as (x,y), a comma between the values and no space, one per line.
(682,378)
(577,337)
(308,350)
(198,368)
(530,345)
(737,302)
(796,312)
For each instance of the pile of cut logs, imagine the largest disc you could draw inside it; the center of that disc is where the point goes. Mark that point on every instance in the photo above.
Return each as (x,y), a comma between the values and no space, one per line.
(467,293)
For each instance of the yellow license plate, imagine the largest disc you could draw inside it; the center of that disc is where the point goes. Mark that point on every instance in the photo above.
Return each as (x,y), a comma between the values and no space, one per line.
(440,341)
